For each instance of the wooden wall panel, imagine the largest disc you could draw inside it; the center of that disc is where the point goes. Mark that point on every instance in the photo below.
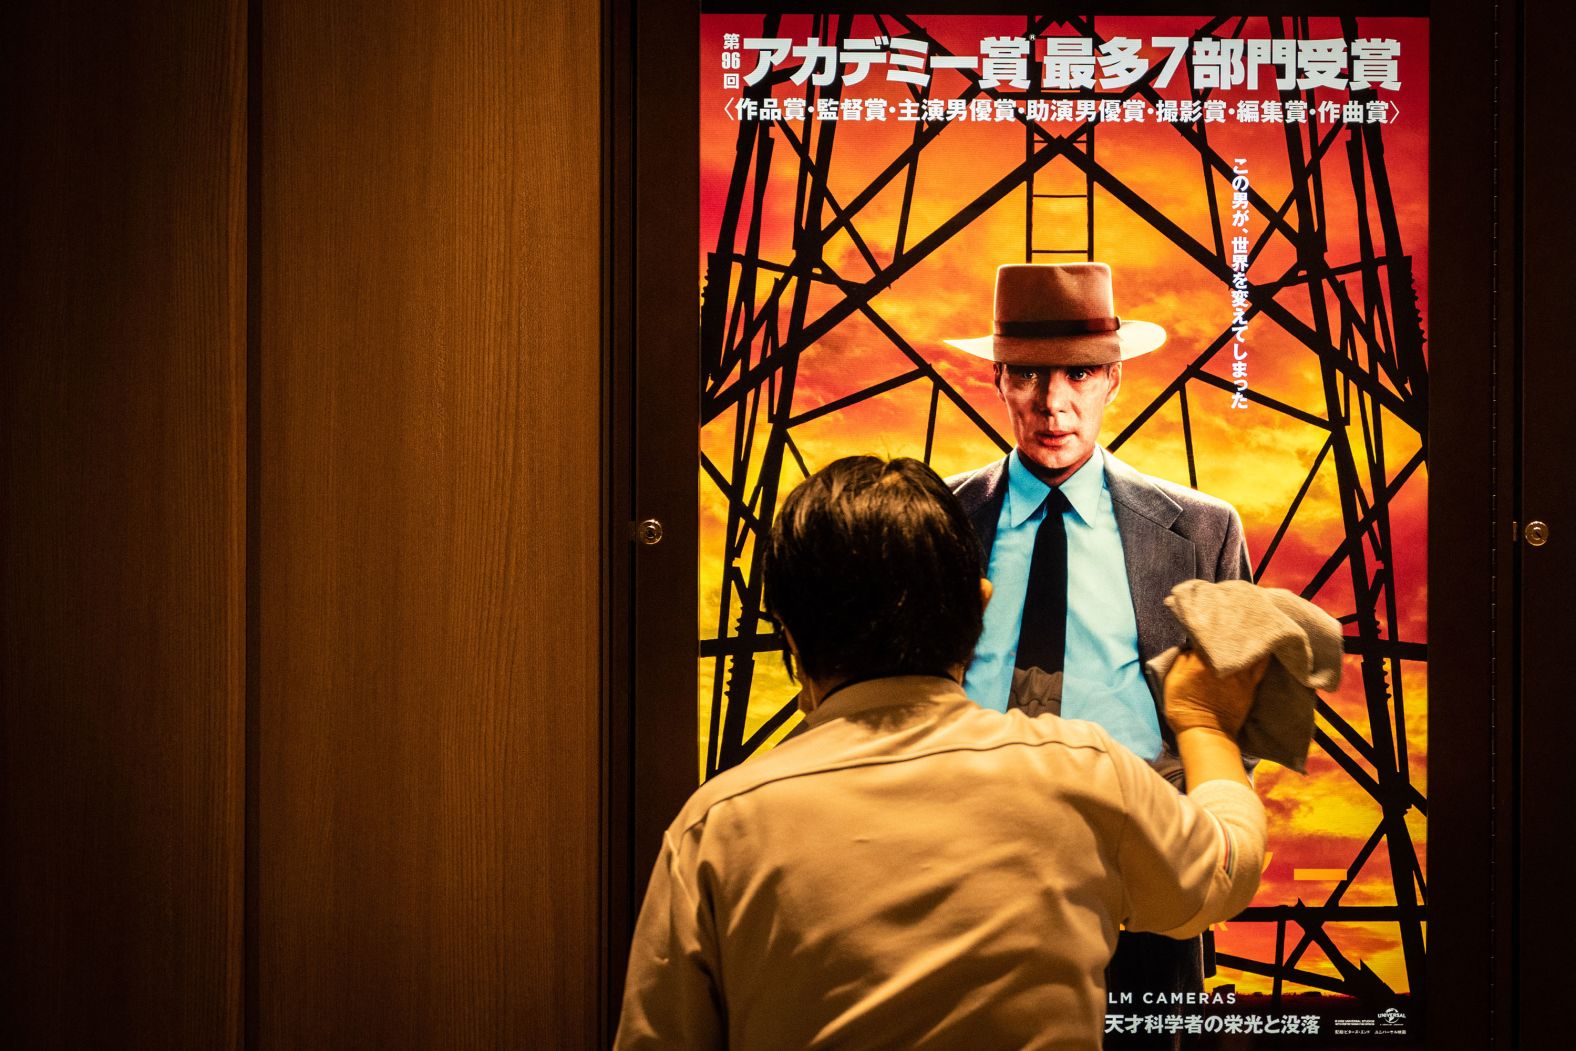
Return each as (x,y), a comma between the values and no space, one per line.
(122,523)
(429,524)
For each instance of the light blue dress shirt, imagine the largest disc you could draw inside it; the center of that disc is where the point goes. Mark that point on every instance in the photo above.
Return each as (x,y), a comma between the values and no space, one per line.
(1103,679)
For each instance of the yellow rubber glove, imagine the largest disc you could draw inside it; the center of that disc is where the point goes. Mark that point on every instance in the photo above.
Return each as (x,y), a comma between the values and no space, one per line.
(1196,697)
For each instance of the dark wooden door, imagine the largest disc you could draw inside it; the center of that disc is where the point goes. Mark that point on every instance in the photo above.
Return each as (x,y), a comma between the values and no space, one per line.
(1545,516)
(302,532)
(122,524)
(428,524)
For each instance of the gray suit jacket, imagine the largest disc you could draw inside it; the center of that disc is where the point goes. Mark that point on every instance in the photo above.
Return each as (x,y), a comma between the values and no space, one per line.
(1170,533)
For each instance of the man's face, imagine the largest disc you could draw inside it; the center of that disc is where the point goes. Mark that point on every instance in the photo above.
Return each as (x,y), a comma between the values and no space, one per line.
(1056,412)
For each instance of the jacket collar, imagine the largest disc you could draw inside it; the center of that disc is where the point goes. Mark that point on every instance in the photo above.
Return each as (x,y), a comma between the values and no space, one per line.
(884,693)
(1133,493)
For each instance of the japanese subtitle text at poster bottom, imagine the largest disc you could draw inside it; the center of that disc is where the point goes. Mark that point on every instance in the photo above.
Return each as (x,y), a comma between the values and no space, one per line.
(1282,1025)
(1107,111)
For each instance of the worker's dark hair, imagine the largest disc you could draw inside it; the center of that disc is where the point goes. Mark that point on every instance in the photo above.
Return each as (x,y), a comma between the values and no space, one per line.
(874,569)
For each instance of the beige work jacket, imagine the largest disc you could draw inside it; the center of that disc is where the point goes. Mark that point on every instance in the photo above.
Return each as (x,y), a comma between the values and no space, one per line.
(919,872)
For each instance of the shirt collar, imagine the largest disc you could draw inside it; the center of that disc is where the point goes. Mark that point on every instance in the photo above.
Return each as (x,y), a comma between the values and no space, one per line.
(1026,492)
(879,693)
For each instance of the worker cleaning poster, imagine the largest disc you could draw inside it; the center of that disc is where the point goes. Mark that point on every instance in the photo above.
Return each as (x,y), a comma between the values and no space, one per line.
(1257,187)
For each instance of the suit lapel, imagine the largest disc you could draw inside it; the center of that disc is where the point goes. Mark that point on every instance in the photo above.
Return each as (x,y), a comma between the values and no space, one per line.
(1157,558)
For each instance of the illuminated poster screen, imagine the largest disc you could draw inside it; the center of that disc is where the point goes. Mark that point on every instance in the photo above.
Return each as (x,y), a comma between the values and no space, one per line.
(1258,187)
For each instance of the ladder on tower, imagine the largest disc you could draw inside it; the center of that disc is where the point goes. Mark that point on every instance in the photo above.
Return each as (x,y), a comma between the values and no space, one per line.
(1058,244)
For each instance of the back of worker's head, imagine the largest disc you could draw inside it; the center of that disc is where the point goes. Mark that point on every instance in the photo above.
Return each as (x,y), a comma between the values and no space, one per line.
(873,568)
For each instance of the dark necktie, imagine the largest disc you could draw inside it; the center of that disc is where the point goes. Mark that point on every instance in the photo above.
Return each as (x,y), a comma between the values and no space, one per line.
(1042,640)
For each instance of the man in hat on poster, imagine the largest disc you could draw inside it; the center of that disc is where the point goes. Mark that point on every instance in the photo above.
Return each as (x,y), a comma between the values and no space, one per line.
(1081,549)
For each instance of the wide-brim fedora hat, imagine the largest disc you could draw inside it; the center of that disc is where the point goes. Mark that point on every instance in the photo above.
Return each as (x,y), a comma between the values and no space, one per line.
(1059,314)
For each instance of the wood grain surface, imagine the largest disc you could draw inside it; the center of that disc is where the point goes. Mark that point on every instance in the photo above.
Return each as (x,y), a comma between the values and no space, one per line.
(122,517)
(428,525)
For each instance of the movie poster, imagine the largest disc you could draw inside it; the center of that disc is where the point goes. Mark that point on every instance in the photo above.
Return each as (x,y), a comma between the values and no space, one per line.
(1258,187)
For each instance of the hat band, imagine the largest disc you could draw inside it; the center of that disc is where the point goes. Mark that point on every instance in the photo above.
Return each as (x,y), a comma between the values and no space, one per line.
(1078,327)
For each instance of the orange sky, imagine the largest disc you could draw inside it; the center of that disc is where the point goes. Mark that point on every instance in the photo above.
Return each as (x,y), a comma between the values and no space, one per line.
(1255,458)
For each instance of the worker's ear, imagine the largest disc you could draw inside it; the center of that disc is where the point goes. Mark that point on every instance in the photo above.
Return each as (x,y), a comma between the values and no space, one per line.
(790,655)
(985,592)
